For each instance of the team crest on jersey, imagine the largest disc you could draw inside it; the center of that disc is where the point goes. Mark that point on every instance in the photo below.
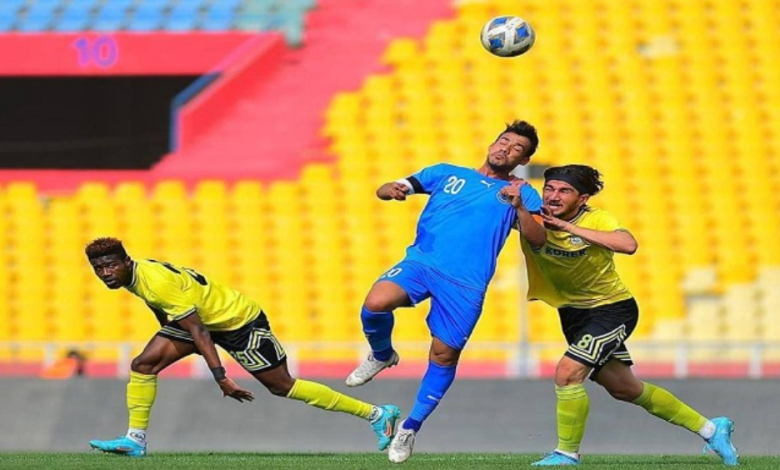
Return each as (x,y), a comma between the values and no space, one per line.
(502,198)
(576,241)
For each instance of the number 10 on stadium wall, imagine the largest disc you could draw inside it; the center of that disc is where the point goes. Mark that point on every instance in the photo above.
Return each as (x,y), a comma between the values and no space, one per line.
(96,50)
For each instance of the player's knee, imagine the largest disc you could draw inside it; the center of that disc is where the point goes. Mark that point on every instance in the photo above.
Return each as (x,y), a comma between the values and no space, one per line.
(570,374)
(143,365)
(279,388)
(445,357)
(377,302)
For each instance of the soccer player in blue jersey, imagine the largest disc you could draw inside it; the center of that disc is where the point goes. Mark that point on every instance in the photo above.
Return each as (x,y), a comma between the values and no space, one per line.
(461,231)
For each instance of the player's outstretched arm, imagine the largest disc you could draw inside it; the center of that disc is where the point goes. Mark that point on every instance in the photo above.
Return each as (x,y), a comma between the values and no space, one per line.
(206,347)
(527,224)
(619,241)
(393,190)
(531,229)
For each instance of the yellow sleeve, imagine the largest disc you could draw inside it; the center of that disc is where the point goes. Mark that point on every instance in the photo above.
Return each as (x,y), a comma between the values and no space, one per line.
(605,222)
(174,301)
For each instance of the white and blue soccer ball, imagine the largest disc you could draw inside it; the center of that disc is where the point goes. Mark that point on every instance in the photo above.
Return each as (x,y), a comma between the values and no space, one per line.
(507,36)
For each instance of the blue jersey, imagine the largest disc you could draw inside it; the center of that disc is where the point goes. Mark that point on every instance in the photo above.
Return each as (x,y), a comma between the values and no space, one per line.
(466,222)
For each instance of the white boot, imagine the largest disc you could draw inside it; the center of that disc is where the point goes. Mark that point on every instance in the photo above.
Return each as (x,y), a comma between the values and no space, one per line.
(368,369)
(402,445)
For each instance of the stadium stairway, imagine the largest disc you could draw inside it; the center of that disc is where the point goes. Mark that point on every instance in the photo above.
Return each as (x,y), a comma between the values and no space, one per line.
(273,130)
(283,108)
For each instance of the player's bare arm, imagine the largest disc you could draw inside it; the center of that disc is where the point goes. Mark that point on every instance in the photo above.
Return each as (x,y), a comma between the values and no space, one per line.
(619,241)
(393,191)
(205,345)
(527,224)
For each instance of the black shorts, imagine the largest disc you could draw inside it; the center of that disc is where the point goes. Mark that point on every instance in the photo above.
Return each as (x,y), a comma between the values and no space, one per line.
(253,345)
(596,335)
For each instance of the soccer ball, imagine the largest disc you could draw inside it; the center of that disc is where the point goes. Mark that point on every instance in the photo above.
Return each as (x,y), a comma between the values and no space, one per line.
(507,36)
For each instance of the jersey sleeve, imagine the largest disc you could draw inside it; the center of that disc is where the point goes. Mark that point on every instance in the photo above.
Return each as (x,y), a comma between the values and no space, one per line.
(174,301)
(605,222)
(531,199)
(425,180)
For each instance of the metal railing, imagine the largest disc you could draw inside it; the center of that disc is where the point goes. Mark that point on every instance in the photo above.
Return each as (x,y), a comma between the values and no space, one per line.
(531,360)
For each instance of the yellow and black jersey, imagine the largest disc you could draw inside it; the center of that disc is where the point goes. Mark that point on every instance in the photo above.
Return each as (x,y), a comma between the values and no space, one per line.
(179,292)
(570,272)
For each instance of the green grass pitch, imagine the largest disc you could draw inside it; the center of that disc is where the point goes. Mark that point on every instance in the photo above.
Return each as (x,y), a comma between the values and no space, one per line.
(241,461)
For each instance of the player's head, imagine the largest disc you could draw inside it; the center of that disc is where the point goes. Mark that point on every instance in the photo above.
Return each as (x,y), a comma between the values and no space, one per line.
(110,262)
(567,188)
(513,147)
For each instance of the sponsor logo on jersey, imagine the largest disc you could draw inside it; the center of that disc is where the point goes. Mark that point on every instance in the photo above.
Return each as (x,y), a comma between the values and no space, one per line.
(563,253)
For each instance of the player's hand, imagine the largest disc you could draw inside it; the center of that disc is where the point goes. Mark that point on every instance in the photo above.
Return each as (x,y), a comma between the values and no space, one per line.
(554,222)
(512,193)
(232,390)
(515,181)
(398,191)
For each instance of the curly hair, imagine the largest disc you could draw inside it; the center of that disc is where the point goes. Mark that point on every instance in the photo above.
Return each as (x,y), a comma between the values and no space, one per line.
(585,179)
(105,246)
(525,129)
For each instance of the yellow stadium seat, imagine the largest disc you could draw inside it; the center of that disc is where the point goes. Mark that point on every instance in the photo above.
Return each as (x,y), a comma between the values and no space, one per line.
(169,192)
(543,323)
(129,192)
(19,192)
(247,194)
(29,308)
(210,191)
(105,313)
(678,114)
(399,51)
(89,192)
(137,229)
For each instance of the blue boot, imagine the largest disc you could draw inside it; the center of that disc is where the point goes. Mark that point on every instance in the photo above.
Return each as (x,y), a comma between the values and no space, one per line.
(720,442)
(554,459)
(122,445)
(384,426)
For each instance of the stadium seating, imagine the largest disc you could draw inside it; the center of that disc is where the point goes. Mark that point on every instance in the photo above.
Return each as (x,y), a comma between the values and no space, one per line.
(679,114)
(632,90)
(286,16)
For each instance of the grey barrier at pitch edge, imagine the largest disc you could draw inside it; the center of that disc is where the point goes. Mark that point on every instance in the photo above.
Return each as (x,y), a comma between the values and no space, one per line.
(475,416)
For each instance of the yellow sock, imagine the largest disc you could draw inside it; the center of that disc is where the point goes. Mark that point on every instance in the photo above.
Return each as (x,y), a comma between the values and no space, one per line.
(661,403)
(572,409)
(141,392)
(321,396)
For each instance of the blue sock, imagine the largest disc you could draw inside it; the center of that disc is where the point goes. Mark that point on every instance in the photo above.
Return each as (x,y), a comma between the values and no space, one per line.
(378,326)
(435,383)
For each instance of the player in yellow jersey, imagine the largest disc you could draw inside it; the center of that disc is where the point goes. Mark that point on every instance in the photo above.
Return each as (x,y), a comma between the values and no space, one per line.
(195,315)
(574,271)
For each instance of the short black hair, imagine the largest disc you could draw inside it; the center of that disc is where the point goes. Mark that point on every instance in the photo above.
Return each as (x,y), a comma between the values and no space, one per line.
(585,179)
(525,129)
(105,246)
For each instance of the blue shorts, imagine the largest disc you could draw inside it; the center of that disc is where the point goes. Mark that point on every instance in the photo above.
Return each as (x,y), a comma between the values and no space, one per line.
(455,309)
